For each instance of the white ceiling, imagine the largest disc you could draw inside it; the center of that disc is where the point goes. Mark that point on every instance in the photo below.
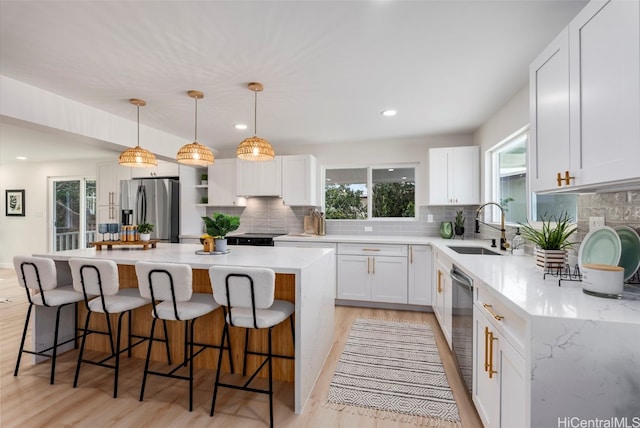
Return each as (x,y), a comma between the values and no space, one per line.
(329,67)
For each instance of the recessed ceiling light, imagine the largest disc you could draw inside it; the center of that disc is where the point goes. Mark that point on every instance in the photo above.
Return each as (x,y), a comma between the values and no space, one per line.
(21,158)
(390,170)
(404,178)
(240,126)
(389,113)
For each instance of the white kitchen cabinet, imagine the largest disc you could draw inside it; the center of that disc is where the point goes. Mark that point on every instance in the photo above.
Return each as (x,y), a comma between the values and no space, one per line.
(585,101)
(499,375)
(164,169)
(454,176)
(372,272)
(443,297)
(549,110)
(222,184)
(259,178)
(299,180)
(420,271)
(108,176)
(604,46)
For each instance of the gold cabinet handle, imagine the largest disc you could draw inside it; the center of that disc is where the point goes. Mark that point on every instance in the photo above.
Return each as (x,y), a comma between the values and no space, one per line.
(491,338)
(373,263)
(486,348)
(567,179)
(439,281)
(559,179)
(493,314)
(368,264)
(410,254)
(371,249)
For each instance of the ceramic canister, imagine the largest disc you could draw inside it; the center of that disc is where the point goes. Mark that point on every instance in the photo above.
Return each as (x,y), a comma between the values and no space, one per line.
(603,280)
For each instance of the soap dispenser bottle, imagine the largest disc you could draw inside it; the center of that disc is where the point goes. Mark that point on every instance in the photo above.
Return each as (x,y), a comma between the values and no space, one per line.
(517,245)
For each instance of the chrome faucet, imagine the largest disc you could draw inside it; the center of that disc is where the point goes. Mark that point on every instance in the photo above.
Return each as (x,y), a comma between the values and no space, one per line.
(503,235)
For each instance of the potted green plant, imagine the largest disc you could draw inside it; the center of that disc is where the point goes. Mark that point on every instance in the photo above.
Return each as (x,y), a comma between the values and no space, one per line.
(218,226)
(204,178)
(459,223)
(145,229)
(551,240)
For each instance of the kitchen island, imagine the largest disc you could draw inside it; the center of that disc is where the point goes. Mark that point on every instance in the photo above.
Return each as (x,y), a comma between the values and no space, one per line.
(304,276)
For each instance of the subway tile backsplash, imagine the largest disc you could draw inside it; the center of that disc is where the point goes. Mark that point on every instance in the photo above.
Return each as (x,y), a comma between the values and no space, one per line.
(270,215)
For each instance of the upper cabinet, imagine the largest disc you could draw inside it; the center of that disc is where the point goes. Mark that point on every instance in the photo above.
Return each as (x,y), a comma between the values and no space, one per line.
(299,180)
(222,184)
(454,176)
(259,178)
(549,109)
(164,169)
(593,139)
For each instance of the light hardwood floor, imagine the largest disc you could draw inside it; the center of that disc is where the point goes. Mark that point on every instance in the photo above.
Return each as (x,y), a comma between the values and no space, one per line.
(29,401)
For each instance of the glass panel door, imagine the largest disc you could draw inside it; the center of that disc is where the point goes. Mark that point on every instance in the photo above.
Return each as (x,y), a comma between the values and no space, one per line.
(74,213)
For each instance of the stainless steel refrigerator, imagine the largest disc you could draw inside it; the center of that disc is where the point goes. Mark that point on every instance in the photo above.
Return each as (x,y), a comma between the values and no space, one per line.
(155,201)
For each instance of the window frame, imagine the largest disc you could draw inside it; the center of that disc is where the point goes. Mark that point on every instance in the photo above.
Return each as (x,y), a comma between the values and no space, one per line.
(370,168)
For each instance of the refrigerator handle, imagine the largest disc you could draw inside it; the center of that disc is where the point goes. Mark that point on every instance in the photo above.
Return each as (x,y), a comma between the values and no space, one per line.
(141,205)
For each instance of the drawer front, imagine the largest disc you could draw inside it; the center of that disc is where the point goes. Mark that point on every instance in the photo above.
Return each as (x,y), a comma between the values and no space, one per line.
(365,249)
(305,244)
(510,324)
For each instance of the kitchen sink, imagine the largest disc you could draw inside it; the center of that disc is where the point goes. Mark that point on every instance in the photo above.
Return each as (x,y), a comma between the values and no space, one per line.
(473,250)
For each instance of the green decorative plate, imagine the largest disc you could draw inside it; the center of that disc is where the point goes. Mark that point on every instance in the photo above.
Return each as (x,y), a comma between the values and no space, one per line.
(600,246)
(630,258)
(446,229)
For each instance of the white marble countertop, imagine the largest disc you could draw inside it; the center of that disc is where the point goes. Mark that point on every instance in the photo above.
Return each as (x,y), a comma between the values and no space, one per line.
(280,259)
(515,280)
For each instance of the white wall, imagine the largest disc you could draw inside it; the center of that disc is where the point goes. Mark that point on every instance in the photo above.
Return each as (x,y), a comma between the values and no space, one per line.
(29,234)
(511,117)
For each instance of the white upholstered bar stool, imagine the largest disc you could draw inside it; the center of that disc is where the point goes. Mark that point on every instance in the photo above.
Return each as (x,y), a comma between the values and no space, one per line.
(38,275)
(247,297)
(100,278)
(170,287)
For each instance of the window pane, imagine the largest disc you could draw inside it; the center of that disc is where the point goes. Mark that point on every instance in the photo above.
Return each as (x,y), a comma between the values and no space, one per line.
(346,193)
(90,212)
(393,192)
(547,207)
(512,180)
(67,215)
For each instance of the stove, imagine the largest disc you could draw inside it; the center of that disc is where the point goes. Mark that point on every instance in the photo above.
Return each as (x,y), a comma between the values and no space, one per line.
(256,239)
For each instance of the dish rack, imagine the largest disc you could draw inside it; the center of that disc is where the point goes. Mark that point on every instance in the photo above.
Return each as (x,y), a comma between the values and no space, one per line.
(568,273)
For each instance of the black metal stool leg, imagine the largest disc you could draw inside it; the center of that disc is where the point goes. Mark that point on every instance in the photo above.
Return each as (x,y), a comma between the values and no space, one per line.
(191,364)
(24,336)
(113,348)
(166,341)
(84,339)
(129,335)
(270,381)
(55,346)
(229,353)
(186,343)
(146,363)
(293,331)
(215,388)
(246,348)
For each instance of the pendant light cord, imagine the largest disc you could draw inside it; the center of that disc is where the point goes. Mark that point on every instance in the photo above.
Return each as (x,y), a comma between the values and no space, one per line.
(138,126)
(196,125)
(255,112)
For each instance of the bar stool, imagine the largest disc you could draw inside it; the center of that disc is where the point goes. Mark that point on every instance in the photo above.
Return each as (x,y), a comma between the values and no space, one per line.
(170,288)
(100,278)
(40,274)
(247,297)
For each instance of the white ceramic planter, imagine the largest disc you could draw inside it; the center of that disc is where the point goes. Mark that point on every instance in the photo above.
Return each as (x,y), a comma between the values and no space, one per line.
(550,259)
(221,245)
(145,236)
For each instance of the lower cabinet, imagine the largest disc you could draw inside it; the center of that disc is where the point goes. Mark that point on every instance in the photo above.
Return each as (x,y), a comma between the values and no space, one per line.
(420,273)
(372,273)
(499,375)
(443,298)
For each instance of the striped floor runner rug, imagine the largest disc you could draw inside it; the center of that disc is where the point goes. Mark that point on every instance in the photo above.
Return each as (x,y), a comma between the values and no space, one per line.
(392,369)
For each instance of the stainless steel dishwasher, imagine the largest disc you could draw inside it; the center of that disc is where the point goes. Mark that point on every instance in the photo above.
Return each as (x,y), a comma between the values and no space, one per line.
(462,325)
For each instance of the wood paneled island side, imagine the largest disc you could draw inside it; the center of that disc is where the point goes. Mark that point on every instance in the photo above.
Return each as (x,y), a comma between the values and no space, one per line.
(305,276)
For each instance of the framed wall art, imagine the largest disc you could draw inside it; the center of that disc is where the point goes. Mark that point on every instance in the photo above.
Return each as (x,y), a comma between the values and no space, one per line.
(15,203)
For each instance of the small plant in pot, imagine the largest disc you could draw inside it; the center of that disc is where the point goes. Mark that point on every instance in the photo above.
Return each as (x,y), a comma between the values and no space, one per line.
(145,229)
(552,240)
(219,225)
(459,223)
(204,179)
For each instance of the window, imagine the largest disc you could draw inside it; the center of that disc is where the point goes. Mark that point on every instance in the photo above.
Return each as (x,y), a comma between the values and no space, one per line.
(508,167)
(370,193)
(74,213)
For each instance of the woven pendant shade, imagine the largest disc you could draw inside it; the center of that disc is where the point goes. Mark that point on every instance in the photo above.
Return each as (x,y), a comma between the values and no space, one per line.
(138,157)
(255,148)
(195,153)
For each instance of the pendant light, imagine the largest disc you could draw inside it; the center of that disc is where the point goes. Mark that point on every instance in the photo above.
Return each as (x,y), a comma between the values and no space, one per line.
(137,156)
(195,153)
(255,148)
